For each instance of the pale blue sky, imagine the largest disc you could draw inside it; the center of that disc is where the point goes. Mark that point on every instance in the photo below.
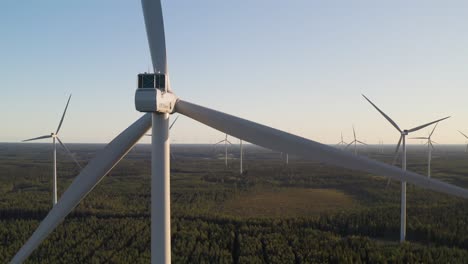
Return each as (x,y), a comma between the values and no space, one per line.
(297,65)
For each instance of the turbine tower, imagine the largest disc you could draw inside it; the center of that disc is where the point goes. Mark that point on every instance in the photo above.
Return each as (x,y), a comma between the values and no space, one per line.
(157,100)
(430,147)
(403,134)
(54,136)
(355,141)
(241,157)
(226,142)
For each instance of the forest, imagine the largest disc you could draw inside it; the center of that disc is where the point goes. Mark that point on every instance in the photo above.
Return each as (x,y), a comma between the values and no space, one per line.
(300,212)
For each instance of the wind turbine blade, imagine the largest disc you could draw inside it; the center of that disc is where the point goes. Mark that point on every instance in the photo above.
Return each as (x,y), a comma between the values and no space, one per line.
(69,153)
(463,134)
(396,150)
(281,141)
(219,142)
(63,115)
(362,142)
(152,12)
(384,115)
(428,124)
(432,132)
(351,143)
(354,132)
(173,122)
(418,138)
(41,137)
(96,169)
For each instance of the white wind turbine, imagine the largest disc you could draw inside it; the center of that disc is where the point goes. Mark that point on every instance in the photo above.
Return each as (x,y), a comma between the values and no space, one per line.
(466,137)
(342,142)
(54,136)
(355,141)
(403,134)
(157,116)
(430,147)
(226,142)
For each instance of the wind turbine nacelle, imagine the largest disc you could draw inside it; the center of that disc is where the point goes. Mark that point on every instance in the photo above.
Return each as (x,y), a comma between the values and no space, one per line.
(151,94)
(154,100)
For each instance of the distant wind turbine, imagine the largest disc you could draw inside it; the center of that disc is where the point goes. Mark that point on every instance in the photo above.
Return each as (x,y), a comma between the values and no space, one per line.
(226,141)
(466,148)
(342,142)
(355,141)
(430,147)
(403,134)
(54,135)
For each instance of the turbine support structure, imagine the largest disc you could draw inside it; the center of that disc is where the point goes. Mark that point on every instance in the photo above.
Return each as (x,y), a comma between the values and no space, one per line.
(403,193)
(160,190)
(54,180)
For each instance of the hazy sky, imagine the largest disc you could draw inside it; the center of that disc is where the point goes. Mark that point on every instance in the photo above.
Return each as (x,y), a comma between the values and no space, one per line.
(298,65)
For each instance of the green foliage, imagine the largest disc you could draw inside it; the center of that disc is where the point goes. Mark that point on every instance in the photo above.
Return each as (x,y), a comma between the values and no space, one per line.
(112,224)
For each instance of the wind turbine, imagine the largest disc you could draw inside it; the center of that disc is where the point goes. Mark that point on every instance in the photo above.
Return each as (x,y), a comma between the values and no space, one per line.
(355,141)
(403,134)
(226,141)
(158,109)
(286,159)
(430,147)
(54,136)
(466,148)
(342,142)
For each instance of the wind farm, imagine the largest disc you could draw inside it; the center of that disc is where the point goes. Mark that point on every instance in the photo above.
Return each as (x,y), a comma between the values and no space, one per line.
(142,206)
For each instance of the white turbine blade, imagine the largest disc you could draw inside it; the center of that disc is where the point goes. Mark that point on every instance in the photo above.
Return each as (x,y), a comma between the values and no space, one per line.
(362,142)
(432,132)
(228,142)
(41,137)
(96,169)
(173,122)
(281,141)
(219,142)
(69,153)
(396,150)
(350,144)
(63,115)
(354,132)
(418,138)
(463,134)
(425,125)
(384,115)
(154,23)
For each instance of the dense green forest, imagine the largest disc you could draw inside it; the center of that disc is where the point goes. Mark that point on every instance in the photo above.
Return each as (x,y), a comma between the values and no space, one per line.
(303,212)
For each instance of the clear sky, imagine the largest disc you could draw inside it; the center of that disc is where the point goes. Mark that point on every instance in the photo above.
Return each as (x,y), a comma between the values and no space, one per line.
(298,65)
